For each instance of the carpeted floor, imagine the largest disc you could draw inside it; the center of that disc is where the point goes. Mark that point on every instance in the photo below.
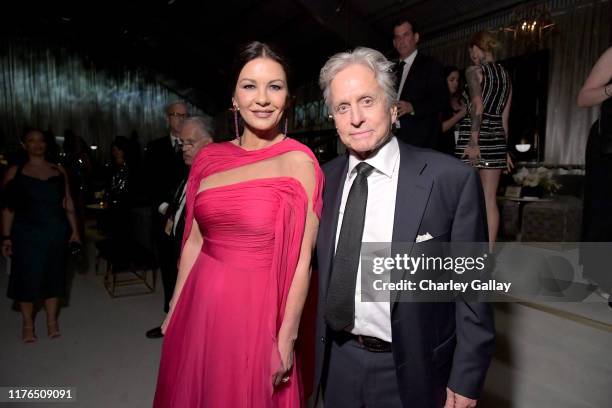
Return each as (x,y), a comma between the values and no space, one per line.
(103,351)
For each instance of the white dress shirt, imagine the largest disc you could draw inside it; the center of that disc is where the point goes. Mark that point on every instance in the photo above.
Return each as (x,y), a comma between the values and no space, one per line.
(374,318)
(174,140)
(409,60)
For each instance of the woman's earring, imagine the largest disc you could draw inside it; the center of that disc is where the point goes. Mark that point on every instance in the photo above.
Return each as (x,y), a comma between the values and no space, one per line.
(236,129)
(286,126)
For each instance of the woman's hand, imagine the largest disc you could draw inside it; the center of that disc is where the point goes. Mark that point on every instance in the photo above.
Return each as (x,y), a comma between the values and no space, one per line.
(509,164)
(166,322)
(473,154)
(74,237)
(7,247)
(285,350)
(463,109)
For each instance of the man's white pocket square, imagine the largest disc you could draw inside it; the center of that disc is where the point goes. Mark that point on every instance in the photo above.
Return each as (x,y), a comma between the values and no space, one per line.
(424,237)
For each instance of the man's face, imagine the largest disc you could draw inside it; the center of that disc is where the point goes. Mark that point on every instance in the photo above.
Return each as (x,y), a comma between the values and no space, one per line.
(404,40)
(360,110)
(176,114)
(193,140)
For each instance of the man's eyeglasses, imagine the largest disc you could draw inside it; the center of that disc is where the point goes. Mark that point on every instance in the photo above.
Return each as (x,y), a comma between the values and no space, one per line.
(178,115)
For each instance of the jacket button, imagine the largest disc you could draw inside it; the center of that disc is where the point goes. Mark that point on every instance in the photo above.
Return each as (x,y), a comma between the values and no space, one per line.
(322,339)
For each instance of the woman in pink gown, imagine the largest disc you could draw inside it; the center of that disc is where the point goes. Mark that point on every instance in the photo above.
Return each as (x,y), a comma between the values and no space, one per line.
(253,206)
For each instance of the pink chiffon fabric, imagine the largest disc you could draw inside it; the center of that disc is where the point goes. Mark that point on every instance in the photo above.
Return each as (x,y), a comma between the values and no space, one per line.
(220,348)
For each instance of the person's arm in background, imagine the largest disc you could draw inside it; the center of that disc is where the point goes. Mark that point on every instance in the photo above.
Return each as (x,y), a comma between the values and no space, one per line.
(69,208)
(453,120)
(8,214)
(473,77)
(505,123)
(595,89)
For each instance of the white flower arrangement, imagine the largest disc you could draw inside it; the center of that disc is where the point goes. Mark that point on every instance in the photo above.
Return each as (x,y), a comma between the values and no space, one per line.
(540,176)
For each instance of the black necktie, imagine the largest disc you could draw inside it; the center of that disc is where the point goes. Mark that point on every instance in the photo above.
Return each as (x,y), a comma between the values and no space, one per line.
(340,309)
(176,200)
(399,70)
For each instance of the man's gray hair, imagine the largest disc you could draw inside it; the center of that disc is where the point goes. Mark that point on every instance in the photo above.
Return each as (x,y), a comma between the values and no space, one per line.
(376,61)
(204,123)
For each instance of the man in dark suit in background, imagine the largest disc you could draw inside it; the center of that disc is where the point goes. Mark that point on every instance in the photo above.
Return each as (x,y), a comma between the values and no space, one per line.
(164,169)
(422,90)
(388,353)
(196,133)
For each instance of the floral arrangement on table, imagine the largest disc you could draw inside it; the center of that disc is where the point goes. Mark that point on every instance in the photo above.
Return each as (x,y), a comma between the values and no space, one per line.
(536,181)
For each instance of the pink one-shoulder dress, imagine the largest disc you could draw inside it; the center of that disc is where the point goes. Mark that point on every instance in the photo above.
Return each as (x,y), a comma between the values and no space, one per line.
(220,347)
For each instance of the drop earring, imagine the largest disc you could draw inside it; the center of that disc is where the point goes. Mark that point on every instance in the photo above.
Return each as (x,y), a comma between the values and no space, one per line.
(286,126)
(236,128)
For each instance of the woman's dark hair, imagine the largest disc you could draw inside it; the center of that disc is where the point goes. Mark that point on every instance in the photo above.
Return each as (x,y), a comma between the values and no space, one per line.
(122,143)
(449,69)
(254,50)
(29,129)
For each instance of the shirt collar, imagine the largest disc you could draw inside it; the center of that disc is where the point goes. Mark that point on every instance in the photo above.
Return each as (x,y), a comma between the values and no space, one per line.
(410,59)
(384,160)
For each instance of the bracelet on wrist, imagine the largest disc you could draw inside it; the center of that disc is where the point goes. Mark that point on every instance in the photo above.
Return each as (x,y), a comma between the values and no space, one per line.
(608,94)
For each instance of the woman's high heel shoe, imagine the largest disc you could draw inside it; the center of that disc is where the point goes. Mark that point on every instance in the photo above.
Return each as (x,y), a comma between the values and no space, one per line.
(53,330)
(27,334)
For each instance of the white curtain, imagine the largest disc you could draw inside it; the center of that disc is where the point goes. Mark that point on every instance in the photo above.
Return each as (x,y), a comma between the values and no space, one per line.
(580,36)
(584,37)
(51,88)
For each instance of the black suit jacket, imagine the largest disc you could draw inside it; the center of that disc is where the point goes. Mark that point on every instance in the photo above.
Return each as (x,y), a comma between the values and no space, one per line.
(177,233)
(425,88)
(164,171)
(434,344)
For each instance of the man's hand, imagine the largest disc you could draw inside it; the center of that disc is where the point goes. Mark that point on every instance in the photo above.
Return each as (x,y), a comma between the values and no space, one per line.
(7,247)
(404,108)
(454,400)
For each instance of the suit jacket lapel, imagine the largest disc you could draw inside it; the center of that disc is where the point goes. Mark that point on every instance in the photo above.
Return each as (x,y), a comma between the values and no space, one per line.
(334,185)
(414,69)
(413,191)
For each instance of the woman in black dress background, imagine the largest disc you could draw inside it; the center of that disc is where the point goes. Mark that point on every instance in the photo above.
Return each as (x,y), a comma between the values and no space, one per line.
(454,111)
(597,215)
(37,217)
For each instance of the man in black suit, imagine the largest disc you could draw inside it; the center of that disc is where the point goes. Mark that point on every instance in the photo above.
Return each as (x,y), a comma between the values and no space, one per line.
(422,90)
(391,354)
(196,132)
(164,169)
